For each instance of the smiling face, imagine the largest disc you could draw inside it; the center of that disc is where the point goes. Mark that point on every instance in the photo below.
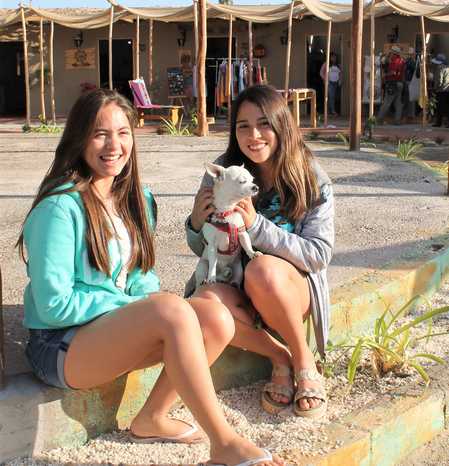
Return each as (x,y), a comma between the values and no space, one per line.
(255,136)
(109,147)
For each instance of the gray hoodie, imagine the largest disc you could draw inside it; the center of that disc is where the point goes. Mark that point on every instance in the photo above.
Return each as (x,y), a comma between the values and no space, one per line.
(309,248)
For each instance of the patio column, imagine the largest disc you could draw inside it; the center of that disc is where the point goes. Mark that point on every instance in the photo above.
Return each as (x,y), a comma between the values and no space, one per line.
(356,75)
(26,68)
(150,54)
(111,22)
(52,67)
(424,73)
(326,82)
(288,51)
(42,65)
(203,128)
(195,26)
(372,56)
(137,67)
(250,51)
(229,77)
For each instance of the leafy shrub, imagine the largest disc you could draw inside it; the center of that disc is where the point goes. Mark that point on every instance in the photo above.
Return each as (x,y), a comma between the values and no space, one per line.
(407,150)
(390,344)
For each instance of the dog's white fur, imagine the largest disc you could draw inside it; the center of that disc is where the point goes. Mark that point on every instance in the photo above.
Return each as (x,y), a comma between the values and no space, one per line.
(231,185)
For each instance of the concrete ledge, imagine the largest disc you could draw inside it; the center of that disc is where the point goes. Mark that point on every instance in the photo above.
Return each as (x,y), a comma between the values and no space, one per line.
(34,417)
(384,432)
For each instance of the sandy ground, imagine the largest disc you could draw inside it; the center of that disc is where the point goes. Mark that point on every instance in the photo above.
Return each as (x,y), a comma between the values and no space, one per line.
(384,209)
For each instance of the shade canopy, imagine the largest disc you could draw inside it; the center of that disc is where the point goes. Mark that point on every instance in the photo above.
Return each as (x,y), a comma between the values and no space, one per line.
(97,18)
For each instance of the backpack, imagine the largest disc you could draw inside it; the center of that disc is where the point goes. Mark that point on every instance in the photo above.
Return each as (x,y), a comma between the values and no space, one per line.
(396,68)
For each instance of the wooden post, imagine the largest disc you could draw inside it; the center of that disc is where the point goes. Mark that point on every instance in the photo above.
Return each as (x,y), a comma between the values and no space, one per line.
(229,77)
(2,338)
(356,74)
(424,72)
(52,77)
(203,129)
(42,70)
(25,63)
(250,51)
(326,81)
(288,51)
(150,54)
(195,24)
(111,22)
(137,67)
(372,75)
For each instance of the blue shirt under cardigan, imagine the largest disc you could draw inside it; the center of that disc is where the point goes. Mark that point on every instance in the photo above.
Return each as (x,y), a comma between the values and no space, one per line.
(64,289)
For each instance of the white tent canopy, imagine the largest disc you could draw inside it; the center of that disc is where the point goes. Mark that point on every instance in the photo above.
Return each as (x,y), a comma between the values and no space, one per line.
(91,19)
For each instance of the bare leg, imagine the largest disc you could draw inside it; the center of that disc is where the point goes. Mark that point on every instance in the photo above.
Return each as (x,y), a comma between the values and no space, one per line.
(217,327)
(281,295)
(133,333)
(246,335)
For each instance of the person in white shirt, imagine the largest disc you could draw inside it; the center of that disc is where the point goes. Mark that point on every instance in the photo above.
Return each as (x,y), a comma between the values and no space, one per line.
(334,79)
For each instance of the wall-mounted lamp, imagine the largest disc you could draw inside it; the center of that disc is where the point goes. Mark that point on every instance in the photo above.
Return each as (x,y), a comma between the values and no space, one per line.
(284,37)
(394,36)
(78,39)
(182,37)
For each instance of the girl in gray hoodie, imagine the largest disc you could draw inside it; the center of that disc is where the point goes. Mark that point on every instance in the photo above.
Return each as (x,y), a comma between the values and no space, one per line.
(291,222)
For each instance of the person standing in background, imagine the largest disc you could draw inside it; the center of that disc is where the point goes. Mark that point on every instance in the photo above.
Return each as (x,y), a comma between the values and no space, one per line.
(334,80)
(441,88)
(394,85)
(410,68)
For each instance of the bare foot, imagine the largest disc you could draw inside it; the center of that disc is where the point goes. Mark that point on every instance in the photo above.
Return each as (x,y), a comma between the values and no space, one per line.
(305,402)
(165,427)
(240,450)
(283,380)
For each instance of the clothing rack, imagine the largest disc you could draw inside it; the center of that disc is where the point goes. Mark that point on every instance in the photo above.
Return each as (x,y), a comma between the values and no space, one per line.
(218,61)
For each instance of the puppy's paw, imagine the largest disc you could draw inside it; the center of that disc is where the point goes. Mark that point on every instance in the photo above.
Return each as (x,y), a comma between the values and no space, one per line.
(208,281)
(256,254)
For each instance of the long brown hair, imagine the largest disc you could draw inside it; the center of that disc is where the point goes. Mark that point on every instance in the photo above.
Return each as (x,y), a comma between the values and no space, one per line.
(293,175)
(69,166)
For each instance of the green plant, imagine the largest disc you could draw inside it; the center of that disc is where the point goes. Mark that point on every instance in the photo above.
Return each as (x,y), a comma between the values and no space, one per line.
(369,126)
(407,150)
(343,139)
(44,127)
(431,105)
(175,129)
(390,344)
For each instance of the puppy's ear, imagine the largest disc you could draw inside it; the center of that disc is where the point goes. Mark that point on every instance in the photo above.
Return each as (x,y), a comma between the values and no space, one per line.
(215,171)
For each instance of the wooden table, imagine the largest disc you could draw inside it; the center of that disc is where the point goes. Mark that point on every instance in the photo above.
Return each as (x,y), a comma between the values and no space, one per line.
(295,96)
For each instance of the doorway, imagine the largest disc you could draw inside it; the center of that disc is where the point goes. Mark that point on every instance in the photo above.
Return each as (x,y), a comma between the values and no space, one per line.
(316,57)
(122,65)
(217,50)
(12,79)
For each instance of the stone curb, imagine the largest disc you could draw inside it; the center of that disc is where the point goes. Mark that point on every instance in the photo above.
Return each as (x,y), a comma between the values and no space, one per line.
(384,432)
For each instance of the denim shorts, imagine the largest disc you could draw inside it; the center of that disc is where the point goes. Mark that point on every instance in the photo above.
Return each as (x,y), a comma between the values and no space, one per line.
(46,351)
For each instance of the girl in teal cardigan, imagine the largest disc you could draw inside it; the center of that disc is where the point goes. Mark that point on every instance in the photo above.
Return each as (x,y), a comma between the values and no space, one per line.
(93,305)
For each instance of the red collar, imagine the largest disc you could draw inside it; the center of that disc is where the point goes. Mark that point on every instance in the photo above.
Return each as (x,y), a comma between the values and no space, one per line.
(223,215)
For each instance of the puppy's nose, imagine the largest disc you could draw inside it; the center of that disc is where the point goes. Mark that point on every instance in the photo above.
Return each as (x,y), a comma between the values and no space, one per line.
(254,189)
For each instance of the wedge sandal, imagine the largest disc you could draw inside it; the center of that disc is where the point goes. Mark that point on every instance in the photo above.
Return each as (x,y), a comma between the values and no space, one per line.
(268,404)
(319,393)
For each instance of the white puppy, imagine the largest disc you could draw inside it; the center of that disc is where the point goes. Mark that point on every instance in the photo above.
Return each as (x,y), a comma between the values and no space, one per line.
(225,233)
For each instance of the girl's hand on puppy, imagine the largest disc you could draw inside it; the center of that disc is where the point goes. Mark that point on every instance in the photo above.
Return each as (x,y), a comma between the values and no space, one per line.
(202,208)
(246,209)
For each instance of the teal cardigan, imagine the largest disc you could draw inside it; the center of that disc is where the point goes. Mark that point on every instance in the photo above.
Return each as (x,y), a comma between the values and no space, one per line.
(64,289)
